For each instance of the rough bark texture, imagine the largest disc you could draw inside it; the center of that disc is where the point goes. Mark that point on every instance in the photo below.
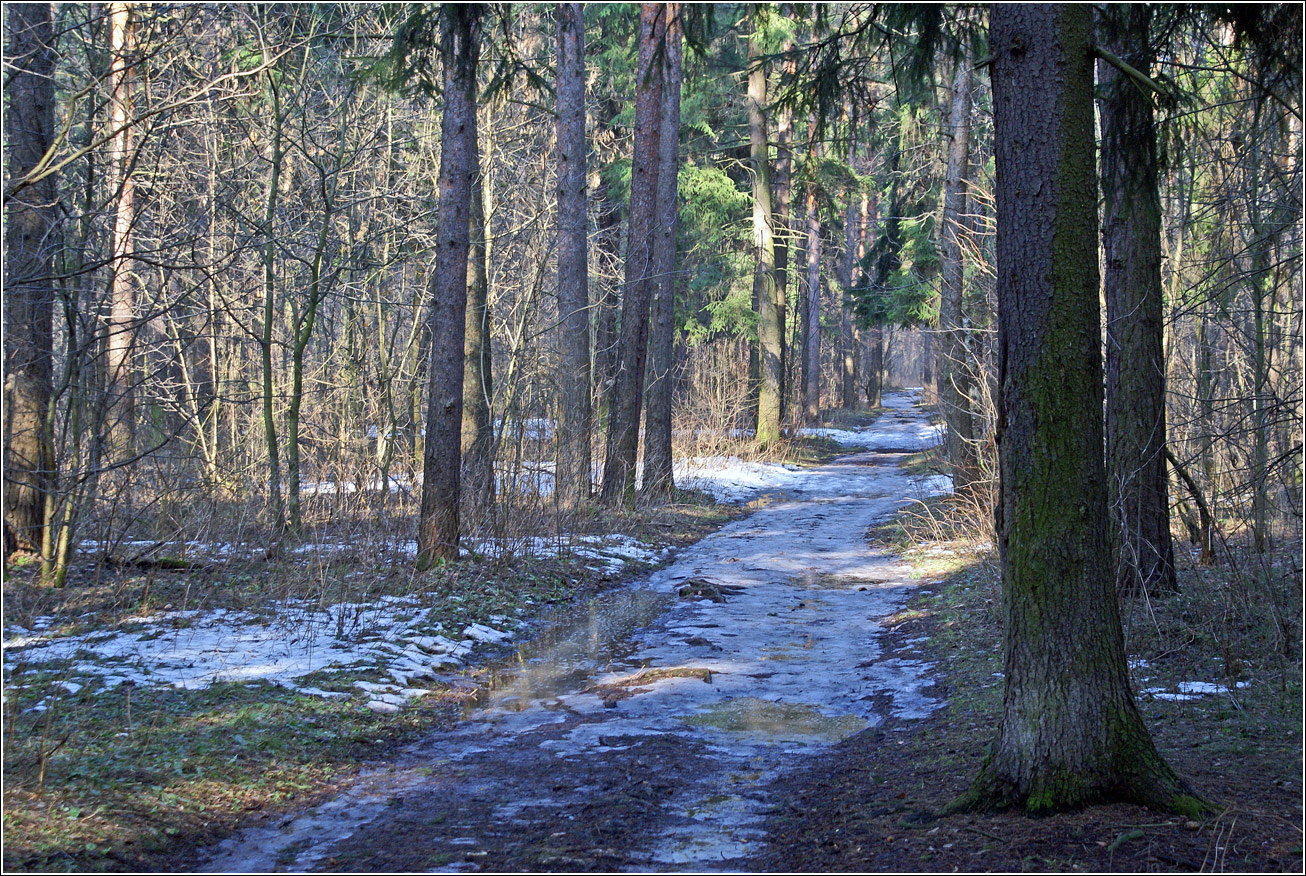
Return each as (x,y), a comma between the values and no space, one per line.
(30,234)
(1135,364)
(769,333)
(574,408)
(662,311)
(625,399)
(437,526)
(1070,734)
(812,302)
(954,370)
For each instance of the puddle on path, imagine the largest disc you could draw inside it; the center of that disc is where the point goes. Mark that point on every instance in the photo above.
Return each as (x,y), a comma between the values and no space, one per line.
(779,722)
(781,661)
(574,645)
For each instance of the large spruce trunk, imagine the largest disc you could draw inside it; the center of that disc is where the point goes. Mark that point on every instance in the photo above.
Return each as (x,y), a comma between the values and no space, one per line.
(1135,364)
(626,396)
(574,409)
(437,526)
(30,222)
(658,480)
(1070,733)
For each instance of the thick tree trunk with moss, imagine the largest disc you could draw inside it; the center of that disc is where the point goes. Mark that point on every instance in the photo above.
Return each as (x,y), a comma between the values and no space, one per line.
(954,369)
(574,409)
(627,393)
(1138,495)
(437,525)
(1070,733)
(658,480)
(30,219)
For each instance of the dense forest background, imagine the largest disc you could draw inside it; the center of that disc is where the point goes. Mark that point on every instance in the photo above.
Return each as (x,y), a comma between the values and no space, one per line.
(353,347)
(221,259)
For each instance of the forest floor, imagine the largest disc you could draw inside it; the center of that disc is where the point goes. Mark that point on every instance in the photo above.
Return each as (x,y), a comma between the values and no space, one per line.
(779,697)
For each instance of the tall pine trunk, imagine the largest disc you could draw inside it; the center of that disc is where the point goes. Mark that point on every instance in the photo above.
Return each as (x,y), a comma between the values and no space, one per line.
(783,188)
(477,441)
(437,525)
(846,356)
(120,343)
(574,405)
(769,332)
(812,292)
(1137,491)
(626,397)
(662,311)
(30,232)
(1070,734)
(954,367)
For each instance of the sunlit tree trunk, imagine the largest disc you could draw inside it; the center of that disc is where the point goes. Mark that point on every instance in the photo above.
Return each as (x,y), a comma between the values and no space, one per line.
(783,186)
(120,342)
(477,432)
(661,342)
(437,525)
(769,303)
(812,291)
(574,406)
(1070,733)
(275,498)
(31,218)
(846,356)
(1138,494)
(626,397)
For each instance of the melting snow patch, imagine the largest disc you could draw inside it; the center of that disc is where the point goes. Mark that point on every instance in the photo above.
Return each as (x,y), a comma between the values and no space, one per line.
(192,650)
(731,479)
(1191,690)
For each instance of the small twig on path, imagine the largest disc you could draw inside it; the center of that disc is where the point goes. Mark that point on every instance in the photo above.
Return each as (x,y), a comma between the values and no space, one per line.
(1000,839)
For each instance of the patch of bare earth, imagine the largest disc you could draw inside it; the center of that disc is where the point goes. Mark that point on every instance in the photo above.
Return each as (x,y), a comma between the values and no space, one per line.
(870,803)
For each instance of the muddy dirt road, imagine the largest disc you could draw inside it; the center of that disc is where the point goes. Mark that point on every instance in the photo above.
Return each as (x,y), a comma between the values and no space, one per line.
(641,731)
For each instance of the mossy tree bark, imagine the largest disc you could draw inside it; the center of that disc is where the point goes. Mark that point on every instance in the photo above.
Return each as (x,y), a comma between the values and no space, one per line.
(31,218)
(437,525)
(1135,363)
(1070,733)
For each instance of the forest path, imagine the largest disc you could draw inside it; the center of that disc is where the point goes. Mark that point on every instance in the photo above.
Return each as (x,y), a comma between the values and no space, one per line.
(577,762)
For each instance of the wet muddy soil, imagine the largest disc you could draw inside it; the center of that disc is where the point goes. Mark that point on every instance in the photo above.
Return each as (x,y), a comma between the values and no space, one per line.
(649,728)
